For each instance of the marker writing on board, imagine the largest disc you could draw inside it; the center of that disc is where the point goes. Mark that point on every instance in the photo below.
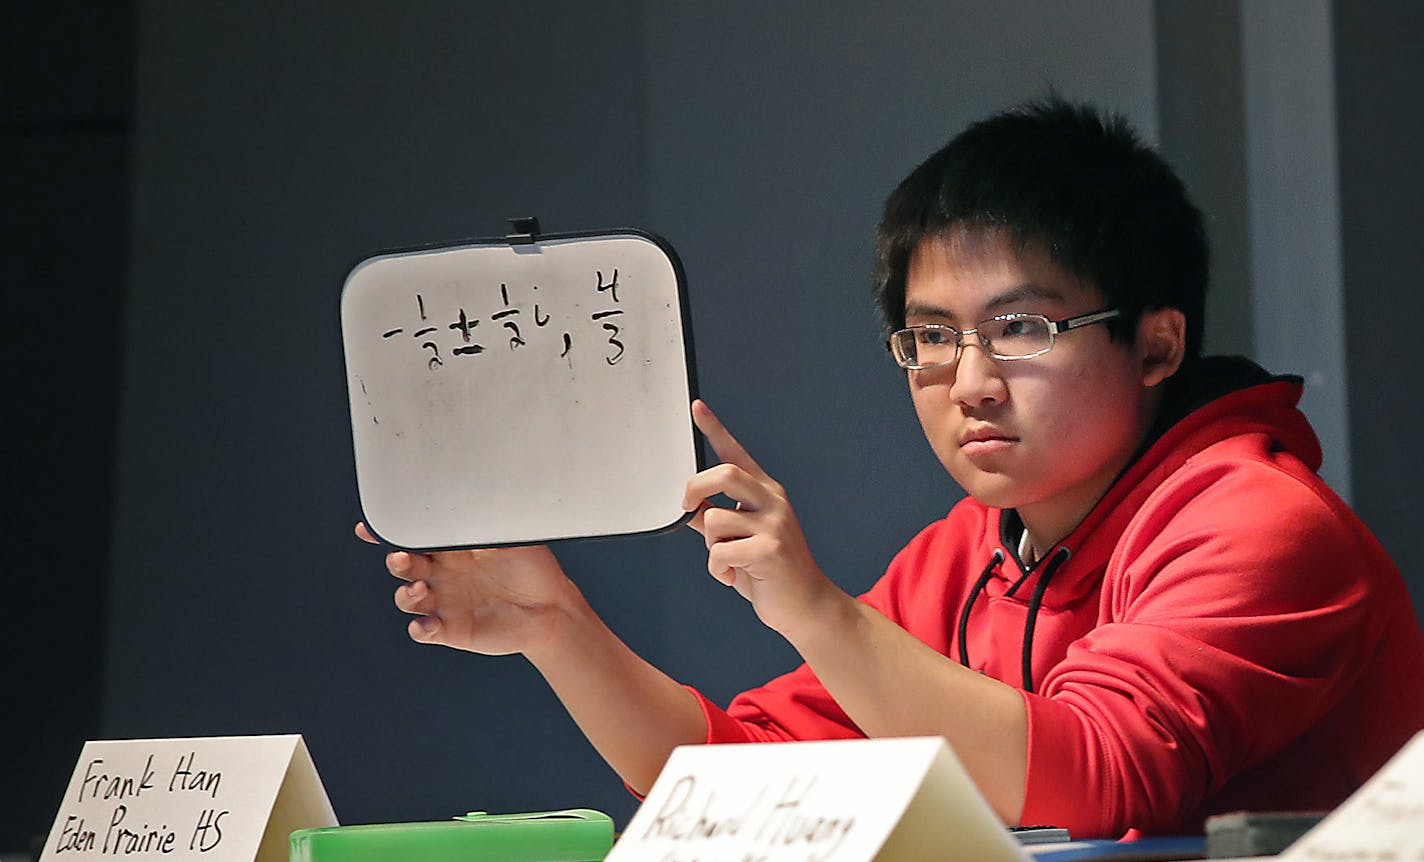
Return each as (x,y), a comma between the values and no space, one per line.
(611,328)
(610,320)
(508,311)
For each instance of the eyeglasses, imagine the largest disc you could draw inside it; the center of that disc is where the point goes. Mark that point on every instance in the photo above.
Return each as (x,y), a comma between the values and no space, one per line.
(1008,336)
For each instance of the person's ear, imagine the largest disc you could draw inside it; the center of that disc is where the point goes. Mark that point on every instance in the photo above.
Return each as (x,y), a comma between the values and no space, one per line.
(1161,343)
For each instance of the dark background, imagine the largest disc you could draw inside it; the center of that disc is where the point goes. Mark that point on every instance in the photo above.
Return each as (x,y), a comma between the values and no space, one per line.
(186,184)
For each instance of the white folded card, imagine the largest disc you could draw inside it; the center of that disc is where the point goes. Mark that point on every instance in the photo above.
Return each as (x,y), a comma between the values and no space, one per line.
(222,799)
(890,800)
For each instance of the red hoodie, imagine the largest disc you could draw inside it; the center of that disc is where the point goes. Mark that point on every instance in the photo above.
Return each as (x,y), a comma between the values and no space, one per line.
(1220,633)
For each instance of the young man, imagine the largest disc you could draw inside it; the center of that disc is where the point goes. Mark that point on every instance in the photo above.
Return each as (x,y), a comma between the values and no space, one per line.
(1149,609)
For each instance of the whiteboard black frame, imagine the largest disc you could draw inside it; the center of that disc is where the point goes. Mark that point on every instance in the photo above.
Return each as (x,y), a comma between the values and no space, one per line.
(689,364)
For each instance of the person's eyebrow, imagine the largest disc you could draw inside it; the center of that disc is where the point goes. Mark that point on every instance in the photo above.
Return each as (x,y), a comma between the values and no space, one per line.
(1020,293)
(1027,291)
(925,309)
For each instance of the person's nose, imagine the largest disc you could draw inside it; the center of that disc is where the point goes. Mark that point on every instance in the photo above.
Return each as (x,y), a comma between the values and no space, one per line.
(977,378)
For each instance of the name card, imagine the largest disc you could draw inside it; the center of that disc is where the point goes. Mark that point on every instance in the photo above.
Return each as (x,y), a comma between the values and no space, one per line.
(1383,820)
(838,801)
(220,799)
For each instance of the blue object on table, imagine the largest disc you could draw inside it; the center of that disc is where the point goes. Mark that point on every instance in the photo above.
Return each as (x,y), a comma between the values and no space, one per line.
(1156,849)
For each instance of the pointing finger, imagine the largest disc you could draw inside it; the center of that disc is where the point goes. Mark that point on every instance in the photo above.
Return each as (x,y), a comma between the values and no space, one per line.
(722,441)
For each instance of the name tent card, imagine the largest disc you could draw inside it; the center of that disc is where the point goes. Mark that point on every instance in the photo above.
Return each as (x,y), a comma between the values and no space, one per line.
(520,390)
(222,799)
(890,800)
(1383,821)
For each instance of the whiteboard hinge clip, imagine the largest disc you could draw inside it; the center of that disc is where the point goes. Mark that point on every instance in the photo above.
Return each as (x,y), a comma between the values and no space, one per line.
(526,231)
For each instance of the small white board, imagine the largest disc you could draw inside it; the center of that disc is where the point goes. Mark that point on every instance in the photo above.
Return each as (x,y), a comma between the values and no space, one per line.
(520,390)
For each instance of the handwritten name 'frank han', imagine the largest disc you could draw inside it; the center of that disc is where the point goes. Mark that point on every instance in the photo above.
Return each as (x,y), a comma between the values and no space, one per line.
(787,820)
(98,784)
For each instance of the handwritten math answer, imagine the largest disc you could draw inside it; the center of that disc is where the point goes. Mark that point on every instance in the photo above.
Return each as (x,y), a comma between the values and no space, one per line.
(461,335)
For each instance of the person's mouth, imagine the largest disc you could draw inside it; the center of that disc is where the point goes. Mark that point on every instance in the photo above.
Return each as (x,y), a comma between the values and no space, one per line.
(985,440)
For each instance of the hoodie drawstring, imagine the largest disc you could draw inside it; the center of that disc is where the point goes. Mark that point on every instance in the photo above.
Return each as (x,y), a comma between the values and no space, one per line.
(973,596)
(1035,602)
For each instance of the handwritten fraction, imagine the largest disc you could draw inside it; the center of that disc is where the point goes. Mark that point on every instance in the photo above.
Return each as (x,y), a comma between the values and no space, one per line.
(456,334)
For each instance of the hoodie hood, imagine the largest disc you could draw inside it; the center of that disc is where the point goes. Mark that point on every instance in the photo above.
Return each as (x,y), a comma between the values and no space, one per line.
(1240,385)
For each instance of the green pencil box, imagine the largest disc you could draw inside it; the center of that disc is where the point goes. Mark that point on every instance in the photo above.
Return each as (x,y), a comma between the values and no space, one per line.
(574,835)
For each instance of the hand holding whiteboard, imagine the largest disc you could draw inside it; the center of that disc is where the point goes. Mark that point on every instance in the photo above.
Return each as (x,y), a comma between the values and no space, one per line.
(520,390)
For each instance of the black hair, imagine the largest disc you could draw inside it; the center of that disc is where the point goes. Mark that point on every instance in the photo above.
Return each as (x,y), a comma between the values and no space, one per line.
(1074,179)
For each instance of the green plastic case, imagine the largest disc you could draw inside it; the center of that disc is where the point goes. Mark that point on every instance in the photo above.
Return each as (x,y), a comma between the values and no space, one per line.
(573,835)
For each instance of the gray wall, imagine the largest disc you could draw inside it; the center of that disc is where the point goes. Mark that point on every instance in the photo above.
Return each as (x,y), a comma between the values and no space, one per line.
(1200,93)
(273,145)
(1379,75)
(64,151)
(1294,204)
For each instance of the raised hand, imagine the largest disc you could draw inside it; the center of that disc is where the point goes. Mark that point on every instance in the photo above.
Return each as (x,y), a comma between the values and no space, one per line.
(493,601)
(758,547)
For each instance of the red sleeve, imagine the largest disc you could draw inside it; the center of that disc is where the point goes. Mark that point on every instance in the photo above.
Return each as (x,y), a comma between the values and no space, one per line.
(793,706)
(796,706)
(1236,610)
